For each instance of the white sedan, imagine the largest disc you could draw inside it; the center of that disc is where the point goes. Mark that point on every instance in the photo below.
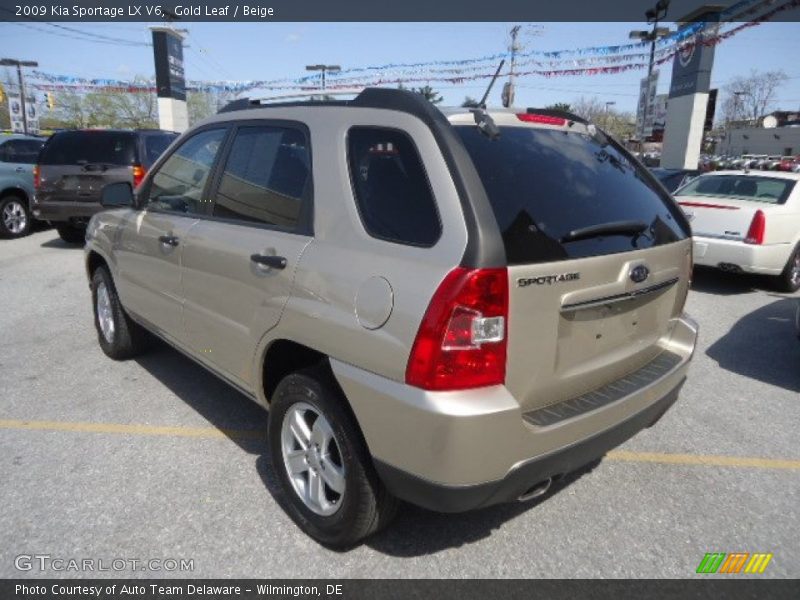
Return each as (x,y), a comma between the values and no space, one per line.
(745,221)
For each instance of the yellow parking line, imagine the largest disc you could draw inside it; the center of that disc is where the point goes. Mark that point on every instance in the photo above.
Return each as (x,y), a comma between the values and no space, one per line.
(703,460)
(133,429)
(214,432)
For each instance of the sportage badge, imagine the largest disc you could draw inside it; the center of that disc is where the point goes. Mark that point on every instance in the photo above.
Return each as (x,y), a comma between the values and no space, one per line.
(547,279)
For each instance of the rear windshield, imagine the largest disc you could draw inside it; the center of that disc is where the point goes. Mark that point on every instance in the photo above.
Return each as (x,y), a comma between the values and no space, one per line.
(770,190)
(154,146)
(544,184)
(85,147)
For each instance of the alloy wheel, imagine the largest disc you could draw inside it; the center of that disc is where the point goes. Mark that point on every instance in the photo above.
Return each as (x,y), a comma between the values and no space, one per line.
(313,459)
(105,316)
(15,218)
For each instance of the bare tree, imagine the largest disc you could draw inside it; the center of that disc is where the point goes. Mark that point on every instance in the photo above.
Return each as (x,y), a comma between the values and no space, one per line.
(750,97)
(619,124)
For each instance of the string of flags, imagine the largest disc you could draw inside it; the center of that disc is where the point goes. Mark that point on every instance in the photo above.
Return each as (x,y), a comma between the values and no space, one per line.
(595,60)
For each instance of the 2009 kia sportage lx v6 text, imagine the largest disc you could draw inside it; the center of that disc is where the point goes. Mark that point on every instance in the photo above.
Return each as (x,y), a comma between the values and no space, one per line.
(446,308)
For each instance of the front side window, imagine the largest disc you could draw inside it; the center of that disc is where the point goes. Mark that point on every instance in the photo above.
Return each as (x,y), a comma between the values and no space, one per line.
(391,188)
(178,184)
(267,176)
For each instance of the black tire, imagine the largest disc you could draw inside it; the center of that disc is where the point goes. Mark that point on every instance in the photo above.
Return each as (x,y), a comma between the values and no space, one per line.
(129,339)
(71,234)
(366,505)
(789,280)
(15,217)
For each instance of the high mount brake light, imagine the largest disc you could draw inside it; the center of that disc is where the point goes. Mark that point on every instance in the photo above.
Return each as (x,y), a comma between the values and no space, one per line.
(462,340)
(542,119)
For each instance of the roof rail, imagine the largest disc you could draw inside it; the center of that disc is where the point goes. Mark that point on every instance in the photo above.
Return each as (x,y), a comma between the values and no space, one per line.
(388,98)
(315,97)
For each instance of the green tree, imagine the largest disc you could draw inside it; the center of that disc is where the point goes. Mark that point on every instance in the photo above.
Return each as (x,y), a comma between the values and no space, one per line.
(469,102)
(562,106)
(430,94)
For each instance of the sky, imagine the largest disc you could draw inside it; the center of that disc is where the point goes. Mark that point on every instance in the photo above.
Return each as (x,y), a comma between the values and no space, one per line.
(242,51)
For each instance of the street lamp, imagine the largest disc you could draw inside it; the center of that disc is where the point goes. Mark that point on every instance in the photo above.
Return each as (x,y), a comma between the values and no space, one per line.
(324,69)
(12,62)
(652,15)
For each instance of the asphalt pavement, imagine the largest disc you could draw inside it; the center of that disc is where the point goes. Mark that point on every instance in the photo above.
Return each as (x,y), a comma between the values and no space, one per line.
(156,459)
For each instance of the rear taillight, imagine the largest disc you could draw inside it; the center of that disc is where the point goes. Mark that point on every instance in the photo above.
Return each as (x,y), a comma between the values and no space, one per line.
(755,235)
(138,175)
(36,177)
(543,119)
(462,340)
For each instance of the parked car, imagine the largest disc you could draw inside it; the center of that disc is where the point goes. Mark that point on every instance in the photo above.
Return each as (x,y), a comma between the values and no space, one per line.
(672,179)
(447,308)
(17,155)
(772,163)
(788,163)
(75,165)
(746,221)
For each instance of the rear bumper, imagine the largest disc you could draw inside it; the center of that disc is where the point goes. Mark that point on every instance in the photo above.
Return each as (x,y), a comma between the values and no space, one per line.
(522,477)
(62,211)
(766,260)
(456,451)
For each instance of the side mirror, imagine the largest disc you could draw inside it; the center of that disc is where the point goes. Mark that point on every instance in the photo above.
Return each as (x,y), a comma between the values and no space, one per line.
(117,195)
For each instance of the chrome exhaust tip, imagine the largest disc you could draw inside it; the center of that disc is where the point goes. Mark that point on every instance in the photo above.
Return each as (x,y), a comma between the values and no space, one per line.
(540,489)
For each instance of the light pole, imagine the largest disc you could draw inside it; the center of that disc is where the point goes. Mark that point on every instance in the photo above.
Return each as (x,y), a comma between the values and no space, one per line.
(12,62)
(324,69)
(653,15)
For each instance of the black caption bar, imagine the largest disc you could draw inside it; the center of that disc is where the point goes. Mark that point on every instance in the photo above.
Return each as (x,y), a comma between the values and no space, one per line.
(355,10)
(405,589)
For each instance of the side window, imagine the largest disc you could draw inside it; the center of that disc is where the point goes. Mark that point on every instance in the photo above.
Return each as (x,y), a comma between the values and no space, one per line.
(178,184)
(392,191)
(266,176)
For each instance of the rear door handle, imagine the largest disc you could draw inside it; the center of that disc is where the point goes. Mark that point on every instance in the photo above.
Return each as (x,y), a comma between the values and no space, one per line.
(274,262)
(168,240)
(20,169)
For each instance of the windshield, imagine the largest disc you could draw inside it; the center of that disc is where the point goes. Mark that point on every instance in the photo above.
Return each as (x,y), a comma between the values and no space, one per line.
(85,147)
(544,184)
(770,190)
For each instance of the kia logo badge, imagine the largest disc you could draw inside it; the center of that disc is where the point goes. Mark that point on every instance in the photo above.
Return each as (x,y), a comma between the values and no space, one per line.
(639,273)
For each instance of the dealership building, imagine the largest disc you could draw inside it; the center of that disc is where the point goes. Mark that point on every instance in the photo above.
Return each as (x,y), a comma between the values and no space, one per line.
(778,134)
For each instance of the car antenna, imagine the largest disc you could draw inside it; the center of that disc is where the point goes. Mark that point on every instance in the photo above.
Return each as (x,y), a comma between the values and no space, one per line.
(485,123)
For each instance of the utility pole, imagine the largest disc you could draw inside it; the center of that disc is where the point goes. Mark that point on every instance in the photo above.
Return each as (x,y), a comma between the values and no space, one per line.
(508,88)
(12,62)
(653,15)
(324,69)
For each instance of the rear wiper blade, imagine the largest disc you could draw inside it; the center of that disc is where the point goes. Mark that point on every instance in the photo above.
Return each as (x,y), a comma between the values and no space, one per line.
(615,228)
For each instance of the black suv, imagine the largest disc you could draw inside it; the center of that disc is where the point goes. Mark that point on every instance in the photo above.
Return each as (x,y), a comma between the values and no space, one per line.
(75,166)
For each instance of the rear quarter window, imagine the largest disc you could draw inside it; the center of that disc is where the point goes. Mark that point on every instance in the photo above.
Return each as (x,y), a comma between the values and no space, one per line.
(391,188)
(154,146)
